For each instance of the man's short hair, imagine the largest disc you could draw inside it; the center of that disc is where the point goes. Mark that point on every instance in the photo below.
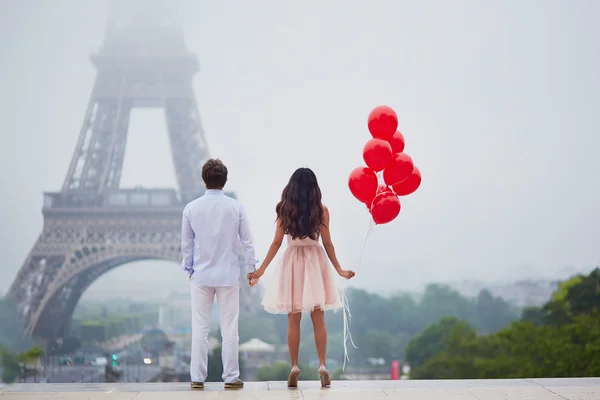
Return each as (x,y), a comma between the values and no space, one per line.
(214,174)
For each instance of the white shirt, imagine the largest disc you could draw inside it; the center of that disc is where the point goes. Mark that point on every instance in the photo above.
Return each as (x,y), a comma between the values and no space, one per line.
(212,228)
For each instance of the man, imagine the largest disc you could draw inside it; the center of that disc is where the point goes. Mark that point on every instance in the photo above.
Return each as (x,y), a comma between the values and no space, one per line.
(212,227)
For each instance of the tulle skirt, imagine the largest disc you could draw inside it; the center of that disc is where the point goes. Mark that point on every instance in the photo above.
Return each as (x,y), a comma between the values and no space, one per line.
(303,281)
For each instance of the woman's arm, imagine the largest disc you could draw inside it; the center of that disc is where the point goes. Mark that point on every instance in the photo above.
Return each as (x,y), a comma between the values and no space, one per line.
(329,248)
(273,249)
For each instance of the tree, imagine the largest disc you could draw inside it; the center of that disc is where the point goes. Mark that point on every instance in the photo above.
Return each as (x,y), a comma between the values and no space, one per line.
(560,339)
(562,290)
(14,365)
(493,313)
(383,326)
(579,295)
(11,369)
(535,315)
(440,301)
(584,296)
(435,339)
(379,344)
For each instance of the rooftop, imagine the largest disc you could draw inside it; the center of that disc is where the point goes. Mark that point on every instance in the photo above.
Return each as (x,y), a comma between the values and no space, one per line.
(515,389)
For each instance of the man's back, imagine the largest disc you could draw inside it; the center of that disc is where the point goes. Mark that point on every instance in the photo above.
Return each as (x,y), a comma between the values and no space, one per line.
(213,226)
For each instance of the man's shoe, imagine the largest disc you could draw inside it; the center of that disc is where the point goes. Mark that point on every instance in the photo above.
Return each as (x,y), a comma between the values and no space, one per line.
(237,384)
(197,385)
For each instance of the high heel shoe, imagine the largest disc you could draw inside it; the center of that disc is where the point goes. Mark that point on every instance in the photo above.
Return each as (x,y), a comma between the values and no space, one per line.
(293,378)
(324,375)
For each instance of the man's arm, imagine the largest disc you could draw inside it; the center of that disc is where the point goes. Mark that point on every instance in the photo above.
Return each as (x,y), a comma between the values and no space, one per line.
(187,245)
(247,242)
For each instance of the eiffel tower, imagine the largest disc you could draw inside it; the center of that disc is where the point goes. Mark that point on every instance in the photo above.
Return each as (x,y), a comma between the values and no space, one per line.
(92,225)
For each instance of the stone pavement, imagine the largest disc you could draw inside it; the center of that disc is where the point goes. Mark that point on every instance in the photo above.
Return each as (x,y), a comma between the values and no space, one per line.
(514,389)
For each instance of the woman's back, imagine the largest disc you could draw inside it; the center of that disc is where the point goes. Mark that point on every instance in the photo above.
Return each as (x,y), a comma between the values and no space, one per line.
(300,212)
(301,242)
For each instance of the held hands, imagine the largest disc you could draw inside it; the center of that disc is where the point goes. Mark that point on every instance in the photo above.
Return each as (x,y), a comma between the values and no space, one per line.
(252,281)
(253,277)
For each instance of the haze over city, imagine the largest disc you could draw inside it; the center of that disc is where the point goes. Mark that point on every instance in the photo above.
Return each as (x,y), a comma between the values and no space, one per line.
(496,101)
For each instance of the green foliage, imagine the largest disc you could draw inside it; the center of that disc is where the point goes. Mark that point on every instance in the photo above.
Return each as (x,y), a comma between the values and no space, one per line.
(520,351)
(576,296)
(11,369)
(562,290)
(381,327)
(534,315)
(31,355)
(13,363)
(560,339)
(12,328)
(16,348)
(436,338)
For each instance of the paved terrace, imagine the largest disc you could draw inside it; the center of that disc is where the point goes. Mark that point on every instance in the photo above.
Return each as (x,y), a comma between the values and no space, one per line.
(517,389)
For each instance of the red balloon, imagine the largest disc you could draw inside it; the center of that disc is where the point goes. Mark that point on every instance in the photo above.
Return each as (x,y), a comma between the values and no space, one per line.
(377,154)
(380,189)
(385,208)
(398,170)
(363,184)
(382,122)
(409,185)
(397,142)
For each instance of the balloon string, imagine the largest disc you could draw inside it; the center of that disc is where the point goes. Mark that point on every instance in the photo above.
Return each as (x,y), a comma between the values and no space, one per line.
(381,181)
(347,315)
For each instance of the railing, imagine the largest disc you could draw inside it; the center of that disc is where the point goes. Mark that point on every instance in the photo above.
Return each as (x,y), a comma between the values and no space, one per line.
(134,198)
(116,198)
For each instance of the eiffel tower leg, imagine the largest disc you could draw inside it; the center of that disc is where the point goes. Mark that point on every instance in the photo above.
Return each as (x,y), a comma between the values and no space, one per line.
(188,146)
(98,158)
(29,287)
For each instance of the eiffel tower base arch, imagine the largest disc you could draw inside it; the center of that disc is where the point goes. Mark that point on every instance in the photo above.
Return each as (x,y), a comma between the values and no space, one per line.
(77,246)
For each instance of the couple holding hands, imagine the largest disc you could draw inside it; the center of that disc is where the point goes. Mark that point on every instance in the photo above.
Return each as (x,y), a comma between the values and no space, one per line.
(212,228)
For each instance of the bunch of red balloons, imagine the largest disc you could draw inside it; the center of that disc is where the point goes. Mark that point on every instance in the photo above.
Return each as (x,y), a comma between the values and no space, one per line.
(385,158)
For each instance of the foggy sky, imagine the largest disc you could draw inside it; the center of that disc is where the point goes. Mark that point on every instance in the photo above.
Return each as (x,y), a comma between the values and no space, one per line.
(496,100)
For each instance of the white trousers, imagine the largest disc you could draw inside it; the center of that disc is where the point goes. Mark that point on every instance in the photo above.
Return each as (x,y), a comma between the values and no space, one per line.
(228,299)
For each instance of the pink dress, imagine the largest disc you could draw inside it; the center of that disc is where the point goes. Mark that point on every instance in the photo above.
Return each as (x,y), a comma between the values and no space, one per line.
(303,281)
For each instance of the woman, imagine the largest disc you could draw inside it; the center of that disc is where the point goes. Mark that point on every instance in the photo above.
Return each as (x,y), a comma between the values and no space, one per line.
(304,281)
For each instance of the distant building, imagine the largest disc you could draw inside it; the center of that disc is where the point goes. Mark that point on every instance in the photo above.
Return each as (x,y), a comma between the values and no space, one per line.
(257,354)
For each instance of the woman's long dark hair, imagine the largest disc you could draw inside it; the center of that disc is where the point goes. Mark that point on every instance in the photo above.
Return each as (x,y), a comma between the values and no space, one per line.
(300,211)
